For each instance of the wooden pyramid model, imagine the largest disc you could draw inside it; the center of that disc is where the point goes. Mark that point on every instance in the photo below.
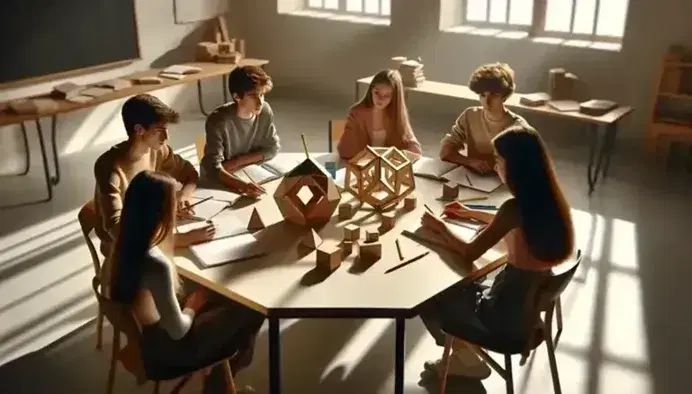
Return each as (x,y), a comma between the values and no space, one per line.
(325,194)
(311,240)
(255,222)
(381,177)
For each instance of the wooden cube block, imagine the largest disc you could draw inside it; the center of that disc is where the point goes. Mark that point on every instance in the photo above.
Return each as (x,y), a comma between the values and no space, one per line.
(388,220)
(328,257)
(351,232)
(346,211)
(370,252)
(409,203)
(371,236)
(450,191)
(346,248)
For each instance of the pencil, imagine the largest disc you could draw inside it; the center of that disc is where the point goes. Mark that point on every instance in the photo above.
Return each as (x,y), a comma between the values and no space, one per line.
(398,249)
(407,262)
(428,208)
(252,180)
(473,199)
(468,180)
(197,203)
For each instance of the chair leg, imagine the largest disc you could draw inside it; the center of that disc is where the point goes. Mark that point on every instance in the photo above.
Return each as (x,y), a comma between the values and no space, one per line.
(558,317)
(553,365)
(99,329)
(114,361)
(228,376)
(156,386)
(446,355)
(509,379)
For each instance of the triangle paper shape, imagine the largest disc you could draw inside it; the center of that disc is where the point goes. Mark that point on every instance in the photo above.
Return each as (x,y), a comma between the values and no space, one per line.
(255,222)
(312,240)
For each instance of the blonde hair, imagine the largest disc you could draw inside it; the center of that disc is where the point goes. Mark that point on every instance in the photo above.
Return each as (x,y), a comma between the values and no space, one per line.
(397,112)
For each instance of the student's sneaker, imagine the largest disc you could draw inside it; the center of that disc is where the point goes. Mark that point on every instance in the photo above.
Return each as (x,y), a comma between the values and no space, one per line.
(462,363)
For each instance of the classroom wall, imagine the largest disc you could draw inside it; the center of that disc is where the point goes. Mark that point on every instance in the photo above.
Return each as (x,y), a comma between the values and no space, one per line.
(324,57)
(162,43)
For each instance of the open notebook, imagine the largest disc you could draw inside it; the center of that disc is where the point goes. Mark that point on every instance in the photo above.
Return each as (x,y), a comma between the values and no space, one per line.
(224,196)
(227,225)
(228,250)
(267,171)
(469,179)
(433,168)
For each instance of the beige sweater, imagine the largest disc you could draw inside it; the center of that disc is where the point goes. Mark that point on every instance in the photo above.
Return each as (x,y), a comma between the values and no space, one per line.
(113,173)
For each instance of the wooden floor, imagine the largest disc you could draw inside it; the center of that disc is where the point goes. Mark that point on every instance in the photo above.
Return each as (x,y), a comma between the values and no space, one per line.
(627,319)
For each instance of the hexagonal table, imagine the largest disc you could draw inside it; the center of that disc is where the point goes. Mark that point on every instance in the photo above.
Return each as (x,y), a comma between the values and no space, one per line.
(286,284)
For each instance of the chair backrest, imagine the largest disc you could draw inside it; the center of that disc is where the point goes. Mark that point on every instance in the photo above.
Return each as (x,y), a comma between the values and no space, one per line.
(124,322)
(200,142)
(87,220)
(336,130)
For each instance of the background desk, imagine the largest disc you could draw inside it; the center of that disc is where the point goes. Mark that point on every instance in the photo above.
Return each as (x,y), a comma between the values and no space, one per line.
(285,284)
(209,70)
(608,121)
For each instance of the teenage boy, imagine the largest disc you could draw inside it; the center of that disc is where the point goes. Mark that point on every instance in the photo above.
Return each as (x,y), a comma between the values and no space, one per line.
(240,133)
(146,120)
(477,126)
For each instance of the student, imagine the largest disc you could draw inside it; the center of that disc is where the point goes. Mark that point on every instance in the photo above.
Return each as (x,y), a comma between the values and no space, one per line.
(379,119)
(242,132)
(476,126)
(146,121)
(174,340)
(536,226)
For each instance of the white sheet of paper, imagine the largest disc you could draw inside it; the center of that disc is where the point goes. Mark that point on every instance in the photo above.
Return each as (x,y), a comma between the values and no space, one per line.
(484,183)
(428,167)
(227,225)
(216,194)
(227,250)
(209,208)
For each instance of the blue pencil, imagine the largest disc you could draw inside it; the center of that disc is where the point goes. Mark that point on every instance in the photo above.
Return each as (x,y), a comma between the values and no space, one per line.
(481,207)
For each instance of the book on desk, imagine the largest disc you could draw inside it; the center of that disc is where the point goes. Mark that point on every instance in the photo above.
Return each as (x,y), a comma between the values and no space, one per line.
(434,168)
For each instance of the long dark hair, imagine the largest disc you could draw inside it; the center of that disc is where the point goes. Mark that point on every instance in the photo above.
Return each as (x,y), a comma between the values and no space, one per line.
(529,174)
(147,220)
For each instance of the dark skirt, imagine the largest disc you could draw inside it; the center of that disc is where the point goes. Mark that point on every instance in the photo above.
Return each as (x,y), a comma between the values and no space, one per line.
(216,334)
(491,317)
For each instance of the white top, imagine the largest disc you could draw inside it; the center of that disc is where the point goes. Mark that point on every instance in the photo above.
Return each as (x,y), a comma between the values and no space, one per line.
(286,279)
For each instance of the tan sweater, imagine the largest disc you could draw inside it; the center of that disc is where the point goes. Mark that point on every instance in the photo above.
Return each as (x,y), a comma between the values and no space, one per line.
(357,135)
(113,173)
(475,132)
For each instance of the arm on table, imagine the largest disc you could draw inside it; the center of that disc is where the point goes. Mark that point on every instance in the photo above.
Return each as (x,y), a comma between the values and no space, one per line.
(182,170)
(354,139)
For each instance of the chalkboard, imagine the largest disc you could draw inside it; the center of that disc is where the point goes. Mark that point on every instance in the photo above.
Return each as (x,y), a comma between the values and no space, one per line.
(46,38)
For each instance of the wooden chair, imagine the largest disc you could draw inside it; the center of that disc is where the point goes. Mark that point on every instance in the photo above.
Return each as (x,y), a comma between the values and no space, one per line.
(543,298)
(336,130)
(87,220)
(123,322)
(200,142)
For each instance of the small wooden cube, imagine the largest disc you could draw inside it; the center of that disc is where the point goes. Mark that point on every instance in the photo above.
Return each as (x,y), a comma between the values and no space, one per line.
(388,220)
(346,211)
(370,252)
(351,232)
(371,236)
(410,203)
(450,191)
(346,248)
(328,257)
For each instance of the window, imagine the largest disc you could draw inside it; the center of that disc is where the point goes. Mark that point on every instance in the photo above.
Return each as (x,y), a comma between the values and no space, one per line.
(371,8)
(591,20)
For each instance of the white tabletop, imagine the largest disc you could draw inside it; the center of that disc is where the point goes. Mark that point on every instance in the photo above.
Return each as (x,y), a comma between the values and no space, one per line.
(286,282)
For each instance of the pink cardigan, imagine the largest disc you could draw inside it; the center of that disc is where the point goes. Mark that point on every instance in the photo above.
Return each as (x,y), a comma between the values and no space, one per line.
(357,135)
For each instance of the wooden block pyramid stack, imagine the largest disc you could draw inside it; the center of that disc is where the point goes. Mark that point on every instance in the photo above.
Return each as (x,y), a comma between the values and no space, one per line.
(412,73)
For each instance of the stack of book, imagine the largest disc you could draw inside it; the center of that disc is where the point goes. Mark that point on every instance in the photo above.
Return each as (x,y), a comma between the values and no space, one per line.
(412,73)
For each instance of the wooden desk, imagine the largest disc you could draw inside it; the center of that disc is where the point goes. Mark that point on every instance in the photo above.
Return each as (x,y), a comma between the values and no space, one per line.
(209,70)
(609,121)
(285,283)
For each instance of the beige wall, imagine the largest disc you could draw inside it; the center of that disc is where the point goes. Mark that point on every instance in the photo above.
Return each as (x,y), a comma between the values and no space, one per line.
(162,42)
(324,57)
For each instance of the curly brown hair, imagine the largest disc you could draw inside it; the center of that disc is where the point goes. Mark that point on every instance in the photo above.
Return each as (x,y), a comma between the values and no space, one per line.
(145,110)
(248,79)
(495,78)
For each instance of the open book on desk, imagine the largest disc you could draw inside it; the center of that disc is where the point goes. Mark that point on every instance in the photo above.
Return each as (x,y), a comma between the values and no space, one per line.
(226,196)
(433,168)
(227,225)
(269,170)
(472,180)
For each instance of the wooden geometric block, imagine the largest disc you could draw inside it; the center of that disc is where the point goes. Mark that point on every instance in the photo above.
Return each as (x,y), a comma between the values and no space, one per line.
(346,211)
(255,222)
(371,236)
(450,191)
(351,232)
(311,240)
(328,257)
(388,220)
(370,252)
(410,203)
(346,248)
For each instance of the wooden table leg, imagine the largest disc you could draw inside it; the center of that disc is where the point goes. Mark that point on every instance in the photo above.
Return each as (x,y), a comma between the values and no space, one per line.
(607,143)
(199,98)
(399,355)
(274,356)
